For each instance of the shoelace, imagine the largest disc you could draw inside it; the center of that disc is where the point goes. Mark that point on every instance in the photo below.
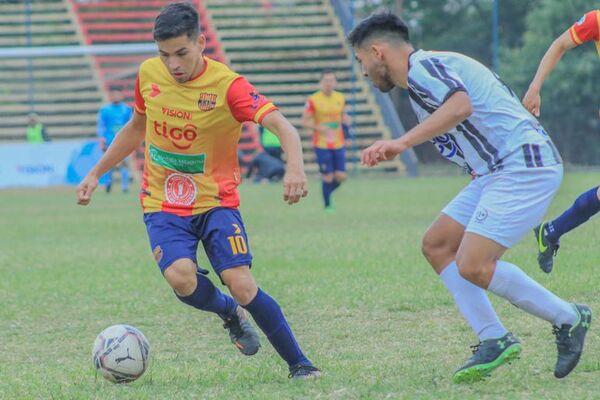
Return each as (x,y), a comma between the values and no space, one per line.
(475,348)
(233,324)
(562,335)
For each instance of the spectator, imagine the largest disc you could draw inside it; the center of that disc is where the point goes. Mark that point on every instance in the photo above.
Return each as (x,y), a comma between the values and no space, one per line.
(111,118)
(266,168)
(36,131)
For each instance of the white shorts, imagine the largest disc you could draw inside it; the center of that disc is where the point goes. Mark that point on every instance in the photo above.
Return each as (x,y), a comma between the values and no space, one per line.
(504,206)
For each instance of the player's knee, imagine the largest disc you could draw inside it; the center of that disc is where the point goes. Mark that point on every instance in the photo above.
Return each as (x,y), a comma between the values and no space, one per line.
(242,290)
(437,251)
(182,281)
(328,178)
(472,270)
(340,177)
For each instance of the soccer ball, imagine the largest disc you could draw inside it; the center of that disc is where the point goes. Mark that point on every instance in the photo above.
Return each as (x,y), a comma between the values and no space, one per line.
(120,353)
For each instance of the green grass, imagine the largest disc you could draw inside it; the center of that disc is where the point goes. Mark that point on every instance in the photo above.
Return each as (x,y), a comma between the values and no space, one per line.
(362,300)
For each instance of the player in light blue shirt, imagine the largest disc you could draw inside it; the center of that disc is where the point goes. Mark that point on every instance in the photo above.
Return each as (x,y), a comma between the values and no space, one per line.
(476,121)
(111,118)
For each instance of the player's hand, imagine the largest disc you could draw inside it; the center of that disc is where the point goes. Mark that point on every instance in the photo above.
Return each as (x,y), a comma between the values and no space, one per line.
(381,150)
(533,102)
(294,186)
(85,189)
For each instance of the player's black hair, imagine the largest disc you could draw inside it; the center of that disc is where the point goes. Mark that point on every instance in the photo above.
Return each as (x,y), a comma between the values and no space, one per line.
(379,25)
(327,72)
(176,19)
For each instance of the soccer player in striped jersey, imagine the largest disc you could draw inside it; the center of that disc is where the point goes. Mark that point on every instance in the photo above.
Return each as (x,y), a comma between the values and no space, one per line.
(475,120)
(189,109)
(587,204)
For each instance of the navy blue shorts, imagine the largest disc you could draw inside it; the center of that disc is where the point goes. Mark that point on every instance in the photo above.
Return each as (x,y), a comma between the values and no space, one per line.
(331,160)
(221,231)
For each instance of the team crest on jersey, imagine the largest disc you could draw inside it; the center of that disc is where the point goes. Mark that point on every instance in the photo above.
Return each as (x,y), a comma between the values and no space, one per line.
(158,253)
(207,101)
(180,190)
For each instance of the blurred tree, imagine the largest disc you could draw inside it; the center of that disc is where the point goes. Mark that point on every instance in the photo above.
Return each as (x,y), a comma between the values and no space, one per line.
(570,96)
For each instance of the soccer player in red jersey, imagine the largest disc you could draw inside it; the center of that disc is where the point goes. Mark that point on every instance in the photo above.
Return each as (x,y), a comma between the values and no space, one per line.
(189,109)
(587,204)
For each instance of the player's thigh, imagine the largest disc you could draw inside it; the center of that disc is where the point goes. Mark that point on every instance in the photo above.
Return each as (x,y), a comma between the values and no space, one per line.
(339,161)
(325,162)
(441,241)
(171,238)
(224,238)
(513,203)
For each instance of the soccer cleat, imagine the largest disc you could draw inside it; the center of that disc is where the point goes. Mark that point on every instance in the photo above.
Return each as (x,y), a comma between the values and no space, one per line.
(569,341)
(304,372)
(329,210)
(241,332)
(546,249)
(487,356)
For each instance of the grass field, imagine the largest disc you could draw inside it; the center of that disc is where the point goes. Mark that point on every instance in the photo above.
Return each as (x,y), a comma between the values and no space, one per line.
(364,304)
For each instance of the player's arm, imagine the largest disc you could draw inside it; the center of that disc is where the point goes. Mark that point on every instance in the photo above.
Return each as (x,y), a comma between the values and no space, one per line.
(294,181)
(532,100)
(308,119)
(452,112)
(126,141)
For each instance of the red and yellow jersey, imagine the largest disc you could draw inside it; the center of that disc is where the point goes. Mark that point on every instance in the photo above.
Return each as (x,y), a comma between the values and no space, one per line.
(327,110)
(192,132)
(586,29)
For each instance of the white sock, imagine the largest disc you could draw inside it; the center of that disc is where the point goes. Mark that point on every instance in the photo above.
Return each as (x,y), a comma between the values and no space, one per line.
(511,283)
(473,303)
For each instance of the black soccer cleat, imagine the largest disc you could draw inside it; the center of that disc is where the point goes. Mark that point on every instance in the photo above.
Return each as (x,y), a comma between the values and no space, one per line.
(304,372)
(241,332)
(487,356)
(546,248)
(569,341)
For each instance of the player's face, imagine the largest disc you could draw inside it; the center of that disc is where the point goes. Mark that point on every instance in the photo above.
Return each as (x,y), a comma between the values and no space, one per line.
(182,56)
(116,96)
(328,83)
(373,67)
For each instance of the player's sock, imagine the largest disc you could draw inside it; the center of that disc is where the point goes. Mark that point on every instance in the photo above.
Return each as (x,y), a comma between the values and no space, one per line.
(584,207)
(511,283)
(327,190)
(269,318)
(335,184)
(124,179)
(473,303)
(207,297)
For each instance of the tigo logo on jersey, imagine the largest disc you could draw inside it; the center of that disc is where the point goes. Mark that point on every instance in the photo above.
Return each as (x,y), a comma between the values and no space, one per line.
(207,101)
(180,137)
(180,190)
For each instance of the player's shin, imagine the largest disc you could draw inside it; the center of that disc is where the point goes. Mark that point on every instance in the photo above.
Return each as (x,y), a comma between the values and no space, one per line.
(207,297)
(270,319)
(511,283)
(473,303)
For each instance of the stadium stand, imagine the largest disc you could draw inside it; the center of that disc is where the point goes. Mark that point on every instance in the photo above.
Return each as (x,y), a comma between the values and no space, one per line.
(282,46)
(65,89)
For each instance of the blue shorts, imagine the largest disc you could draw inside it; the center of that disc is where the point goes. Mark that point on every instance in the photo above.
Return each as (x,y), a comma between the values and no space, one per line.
(331,160)
(221,231)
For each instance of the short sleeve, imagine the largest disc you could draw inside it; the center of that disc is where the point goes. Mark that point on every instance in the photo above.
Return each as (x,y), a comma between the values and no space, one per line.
(435,80)
(139,104)
(586,28)
(309,106)
(245,103)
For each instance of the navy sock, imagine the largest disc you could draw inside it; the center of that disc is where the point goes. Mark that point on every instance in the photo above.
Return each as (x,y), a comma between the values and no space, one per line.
(269,318)
(328,188)
(207,297)
(335,185)
(584,207)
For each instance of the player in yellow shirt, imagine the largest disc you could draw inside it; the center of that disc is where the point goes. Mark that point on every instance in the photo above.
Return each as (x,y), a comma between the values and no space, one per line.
(189,110)
(324,114)
(548,233)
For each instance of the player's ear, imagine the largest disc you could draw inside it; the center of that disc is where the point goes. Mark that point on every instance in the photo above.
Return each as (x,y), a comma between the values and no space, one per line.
(376,51)
(201,42)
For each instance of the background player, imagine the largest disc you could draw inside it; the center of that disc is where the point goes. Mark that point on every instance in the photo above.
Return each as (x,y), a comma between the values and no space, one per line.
(587,204)
(477,122)
(324,114)
(111,118)
(189,109)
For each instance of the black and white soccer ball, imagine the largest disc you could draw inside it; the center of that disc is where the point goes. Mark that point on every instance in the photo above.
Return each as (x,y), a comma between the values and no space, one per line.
(121,353)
